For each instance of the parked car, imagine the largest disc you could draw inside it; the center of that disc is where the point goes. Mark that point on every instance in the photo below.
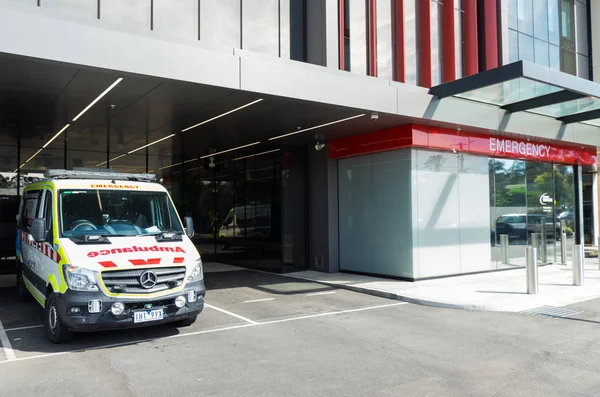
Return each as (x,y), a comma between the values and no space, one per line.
(520,226)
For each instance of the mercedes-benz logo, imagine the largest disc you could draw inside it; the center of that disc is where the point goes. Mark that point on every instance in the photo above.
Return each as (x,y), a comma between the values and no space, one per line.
(148,279)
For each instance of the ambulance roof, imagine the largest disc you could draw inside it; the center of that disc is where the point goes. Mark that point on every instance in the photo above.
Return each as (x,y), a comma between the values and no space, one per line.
(97,179)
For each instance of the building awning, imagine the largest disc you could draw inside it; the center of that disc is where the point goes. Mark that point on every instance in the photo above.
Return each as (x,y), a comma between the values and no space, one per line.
(524,86)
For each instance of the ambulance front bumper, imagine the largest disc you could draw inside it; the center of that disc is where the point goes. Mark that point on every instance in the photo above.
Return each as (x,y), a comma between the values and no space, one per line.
(91,311)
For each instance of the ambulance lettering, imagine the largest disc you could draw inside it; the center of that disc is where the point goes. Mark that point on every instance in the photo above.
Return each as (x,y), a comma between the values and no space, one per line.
(115,251)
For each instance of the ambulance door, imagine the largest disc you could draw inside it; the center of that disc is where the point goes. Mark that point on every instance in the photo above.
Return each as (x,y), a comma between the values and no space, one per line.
(48,257)
(32,201)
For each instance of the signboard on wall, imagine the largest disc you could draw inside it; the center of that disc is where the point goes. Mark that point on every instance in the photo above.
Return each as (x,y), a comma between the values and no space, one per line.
(413,135)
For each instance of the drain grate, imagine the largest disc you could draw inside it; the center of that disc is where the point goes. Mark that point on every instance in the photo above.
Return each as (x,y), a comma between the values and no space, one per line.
(551,311)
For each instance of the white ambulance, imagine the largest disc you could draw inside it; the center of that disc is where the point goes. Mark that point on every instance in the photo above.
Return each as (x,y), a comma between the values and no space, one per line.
(105,250)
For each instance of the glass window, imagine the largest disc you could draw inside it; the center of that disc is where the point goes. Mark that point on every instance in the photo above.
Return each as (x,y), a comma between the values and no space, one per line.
(513,45)
(31,205)
(47,215)
(86,8)
(526,48)
(554,53)
(410,32)
(437,46)
(458,36)
(358,36)
(220,22)
(122,212)
(384,40)
(540,19)
(582,28)
(553,22)
(176,18)
(567,62)
(512,14)
(135,13)
(541,53)
(260,26)
(525,15)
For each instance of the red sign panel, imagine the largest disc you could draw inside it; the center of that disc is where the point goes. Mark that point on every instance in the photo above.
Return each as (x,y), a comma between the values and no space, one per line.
(459,141)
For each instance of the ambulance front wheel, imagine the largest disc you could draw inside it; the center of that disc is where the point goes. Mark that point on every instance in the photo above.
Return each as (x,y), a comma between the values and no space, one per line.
(56,330)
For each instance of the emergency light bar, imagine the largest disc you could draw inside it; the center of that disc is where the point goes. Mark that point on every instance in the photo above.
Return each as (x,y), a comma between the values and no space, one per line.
(103,174)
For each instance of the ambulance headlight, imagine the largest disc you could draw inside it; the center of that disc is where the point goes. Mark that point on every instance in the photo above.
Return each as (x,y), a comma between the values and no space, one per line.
(196,273)
(80,279)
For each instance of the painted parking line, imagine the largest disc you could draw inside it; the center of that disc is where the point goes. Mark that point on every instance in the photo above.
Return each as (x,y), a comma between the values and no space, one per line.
(253,324)
(23,328)
(259,300)
(321,293)
(8,351)
(230,313)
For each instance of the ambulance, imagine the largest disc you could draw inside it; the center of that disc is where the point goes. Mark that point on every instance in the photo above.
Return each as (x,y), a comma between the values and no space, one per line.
(105,250)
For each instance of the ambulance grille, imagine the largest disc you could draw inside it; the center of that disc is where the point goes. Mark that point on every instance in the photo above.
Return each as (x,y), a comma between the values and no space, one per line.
(128,281)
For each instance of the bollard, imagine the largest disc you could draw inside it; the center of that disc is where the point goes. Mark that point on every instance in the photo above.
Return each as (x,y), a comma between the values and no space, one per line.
(532,270)
(543,243)
(578,264)
(504,248)
(563,247)
(535,243)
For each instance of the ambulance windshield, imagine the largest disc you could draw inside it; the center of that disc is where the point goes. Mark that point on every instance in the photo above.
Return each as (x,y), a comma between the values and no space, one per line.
(116,213)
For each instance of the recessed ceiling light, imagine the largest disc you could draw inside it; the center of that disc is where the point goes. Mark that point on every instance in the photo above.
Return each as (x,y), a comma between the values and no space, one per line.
(231,150)
(256,154)
(152,143)
(315,127)
(221,115)
(113,85)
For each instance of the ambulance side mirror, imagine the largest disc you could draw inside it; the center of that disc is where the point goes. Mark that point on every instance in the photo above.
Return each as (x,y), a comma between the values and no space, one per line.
(38,230)
(189,226)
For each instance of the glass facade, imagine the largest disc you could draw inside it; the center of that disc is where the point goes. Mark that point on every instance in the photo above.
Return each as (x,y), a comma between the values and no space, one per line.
(552,33)
(415,213)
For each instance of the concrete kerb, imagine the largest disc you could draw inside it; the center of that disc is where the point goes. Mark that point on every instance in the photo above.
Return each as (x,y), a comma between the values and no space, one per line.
(403,298)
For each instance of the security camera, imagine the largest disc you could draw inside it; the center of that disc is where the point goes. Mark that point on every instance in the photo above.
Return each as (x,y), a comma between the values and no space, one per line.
(374,116)
(319,146)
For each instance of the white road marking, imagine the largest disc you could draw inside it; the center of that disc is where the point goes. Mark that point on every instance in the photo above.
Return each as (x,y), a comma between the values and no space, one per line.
(321,293)
(22,328)
(209,331)
(231,314)
(8,351)
(259,300)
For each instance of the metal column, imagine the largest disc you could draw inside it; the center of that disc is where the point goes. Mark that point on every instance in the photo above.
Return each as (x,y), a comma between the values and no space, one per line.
(578,265)
(563,242)
(578,253)
(535,243)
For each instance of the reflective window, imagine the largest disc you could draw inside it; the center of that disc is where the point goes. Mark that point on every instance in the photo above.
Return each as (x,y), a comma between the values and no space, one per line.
(86,8)
(358,36)
(525,16)
(512,14)
(410,39)
(513,45)
(540,19)
(384,40)
(176,18)
(437,42)
(568,63)
(260,26)
(554,53)
(526,48)
(541,52)
(553,22)
(220,22)
(134,13)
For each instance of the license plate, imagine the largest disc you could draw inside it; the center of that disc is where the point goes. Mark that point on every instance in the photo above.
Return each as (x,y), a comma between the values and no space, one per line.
(148,315)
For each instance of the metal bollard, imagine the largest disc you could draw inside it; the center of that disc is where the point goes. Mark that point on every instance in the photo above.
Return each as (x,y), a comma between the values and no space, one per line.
(535,242)
(578,264)
(543,243)
(532,270)
(563,247)
(504,248)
